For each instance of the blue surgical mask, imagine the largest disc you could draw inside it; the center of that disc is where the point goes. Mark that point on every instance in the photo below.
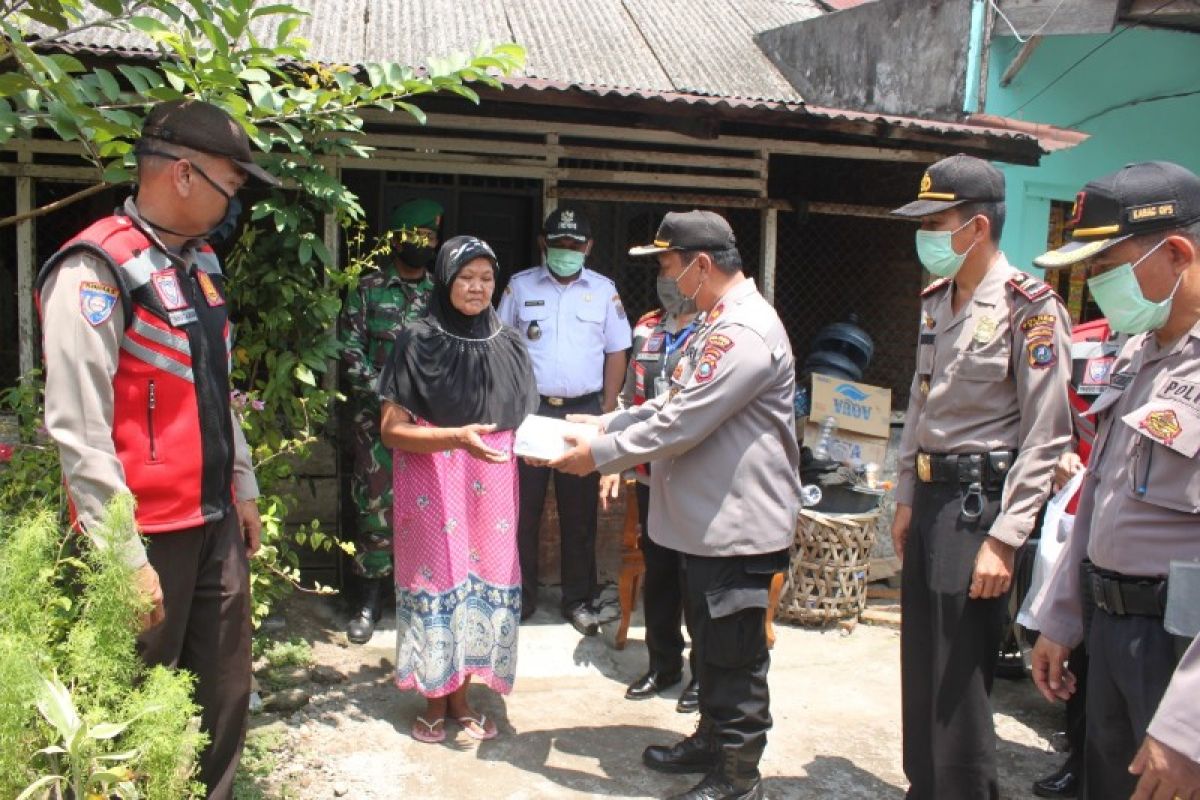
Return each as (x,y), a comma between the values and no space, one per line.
(1120,298)
(936,252)
(564,262)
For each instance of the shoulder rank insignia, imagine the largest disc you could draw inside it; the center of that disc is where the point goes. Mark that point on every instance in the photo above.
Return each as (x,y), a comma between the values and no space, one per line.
(1029,287)
(938,285)
(650,318)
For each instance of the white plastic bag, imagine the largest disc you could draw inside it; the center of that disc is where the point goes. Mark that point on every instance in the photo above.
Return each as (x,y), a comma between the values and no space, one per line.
(1056,527)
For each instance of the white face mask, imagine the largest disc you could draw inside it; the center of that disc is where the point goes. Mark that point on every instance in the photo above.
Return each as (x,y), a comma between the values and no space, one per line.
(936,251)
(1120,298)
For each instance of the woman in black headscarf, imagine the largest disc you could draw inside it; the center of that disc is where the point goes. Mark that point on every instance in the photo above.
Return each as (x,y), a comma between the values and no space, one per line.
(456,386)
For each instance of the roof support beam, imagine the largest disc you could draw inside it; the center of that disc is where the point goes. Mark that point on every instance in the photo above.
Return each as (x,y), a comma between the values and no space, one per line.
(1019,60)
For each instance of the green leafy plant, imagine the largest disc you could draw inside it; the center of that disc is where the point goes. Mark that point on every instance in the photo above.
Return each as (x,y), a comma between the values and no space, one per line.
(75,762)
(293,652)
(68,626)
(31,476)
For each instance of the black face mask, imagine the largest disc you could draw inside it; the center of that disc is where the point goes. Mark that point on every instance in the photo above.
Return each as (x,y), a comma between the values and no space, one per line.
(228,226)
(416,255)
(224,230)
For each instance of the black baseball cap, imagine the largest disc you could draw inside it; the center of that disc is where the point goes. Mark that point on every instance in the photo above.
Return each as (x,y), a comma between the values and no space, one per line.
(567,223)
(689,230)
(953,181)
(204,127)
(1139,198)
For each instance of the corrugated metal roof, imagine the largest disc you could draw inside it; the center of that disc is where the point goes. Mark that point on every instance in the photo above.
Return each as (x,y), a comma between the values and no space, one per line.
(979,125)
(692,46)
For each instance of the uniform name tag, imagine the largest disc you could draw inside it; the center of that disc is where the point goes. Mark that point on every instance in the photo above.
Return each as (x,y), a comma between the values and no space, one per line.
(1181,391)
(182,317)
(1120,380)
(644,356)
(530,303)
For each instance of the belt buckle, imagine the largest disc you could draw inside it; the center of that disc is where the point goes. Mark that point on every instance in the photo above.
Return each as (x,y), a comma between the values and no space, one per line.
(555,401)
(924,468)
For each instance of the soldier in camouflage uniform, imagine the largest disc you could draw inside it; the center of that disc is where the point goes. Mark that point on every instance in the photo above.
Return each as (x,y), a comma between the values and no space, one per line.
(385,299)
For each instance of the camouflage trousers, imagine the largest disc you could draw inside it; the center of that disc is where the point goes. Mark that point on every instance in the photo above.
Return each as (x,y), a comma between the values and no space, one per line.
(371,492)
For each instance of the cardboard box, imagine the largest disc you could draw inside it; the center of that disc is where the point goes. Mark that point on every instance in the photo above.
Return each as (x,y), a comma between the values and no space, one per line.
(857,407)
(847,446)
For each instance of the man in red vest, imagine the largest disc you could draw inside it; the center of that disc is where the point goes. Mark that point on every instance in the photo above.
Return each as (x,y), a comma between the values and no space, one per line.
(136,340)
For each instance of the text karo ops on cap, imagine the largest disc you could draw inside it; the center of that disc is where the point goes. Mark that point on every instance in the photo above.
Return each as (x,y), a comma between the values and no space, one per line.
(953,181)
(204,127)
(1140,198)
(689,230)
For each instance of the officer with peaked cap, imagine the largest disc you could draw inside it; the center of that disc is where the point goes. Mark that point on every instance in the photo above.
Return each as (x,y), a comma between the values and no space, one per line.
(724,492)
(384,300)
(136,338)
(1137,530)
(577,333)
(988,415)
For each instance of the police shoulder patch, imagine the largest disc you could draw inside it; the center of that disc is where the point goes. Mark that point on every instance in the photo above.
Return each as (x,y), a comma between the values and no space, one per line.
(936,286)
(1041,353)
(97,301)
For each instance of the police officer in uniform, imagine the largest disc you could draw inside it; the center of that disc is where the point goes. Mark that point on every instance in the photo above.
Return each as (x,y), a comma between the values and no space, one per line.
(724,491)
(1138,523)
(384,300)
(136,337)
(659,340)
(988,416)
(577,334)
(1094,347)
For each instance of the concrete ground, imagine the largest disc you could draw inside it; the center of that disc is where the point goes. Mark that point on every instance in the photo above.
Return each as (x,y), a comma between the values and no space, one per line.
(567,731)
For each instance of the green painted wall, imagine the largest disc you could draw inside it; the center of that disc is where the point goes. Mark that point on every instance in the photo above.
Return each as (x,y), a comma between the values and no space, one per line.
(1095,98)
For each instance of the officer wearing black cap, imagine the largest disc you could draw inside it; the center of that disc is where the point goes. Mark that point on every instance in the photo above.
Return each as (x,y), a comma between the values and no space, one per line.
(1137,232)
(988,415)
(577,333)
(724,492)
(136,337)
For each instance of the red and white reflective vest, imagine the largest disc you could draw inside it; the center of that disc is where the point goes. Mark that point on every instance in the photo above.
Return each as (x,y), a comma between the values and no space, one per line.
(1093,351)
(171,430)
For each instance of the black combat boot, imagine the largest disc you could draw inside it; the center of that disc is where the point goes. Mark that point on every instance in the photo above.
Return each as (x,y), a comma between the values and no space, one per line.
(696,753)
(735,777)
(362,625)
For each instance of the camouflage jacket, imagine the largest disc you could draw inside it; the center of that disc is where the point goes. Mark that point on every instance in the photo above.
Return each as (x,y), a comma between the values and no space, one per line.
(375,311)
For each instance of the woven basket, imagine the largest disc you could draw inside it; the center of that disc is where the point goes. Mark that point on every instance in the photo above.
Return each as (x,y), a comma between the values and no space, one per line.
(831,558)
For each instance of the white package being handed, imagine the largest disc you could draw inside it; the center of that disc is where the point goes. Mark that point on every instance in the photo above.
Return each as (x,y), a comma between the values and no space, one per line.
(1056,527)
(543,437)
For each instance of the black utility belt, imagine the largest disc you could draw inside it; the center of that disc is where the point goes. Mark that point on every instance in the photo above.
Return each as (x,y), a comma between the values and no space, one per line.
(986,469)
(571,402)
(1126,595)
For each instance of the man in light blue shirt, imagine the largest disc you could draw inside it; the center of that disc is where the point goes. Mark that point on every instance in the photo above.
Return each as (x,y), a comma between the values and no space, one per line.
(577,333)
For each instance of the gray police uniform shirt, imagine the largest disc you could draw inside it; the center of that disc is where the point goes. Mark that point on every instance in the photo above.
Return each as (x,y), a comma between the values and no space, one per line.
(1139,506)
(568,328)
(993,376)
(725,478)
